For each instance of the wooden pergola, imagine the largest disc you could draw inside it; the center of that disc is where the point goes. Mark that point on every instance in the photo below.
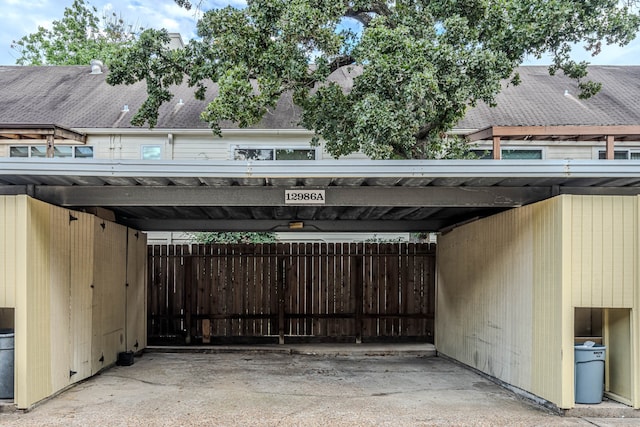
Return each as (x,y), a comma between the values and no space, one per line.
(608,134)
(47,133)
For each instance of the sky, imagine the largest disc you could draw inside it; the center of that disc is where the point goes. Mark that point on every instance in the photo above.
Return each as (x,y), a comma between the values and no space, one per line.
(22,17)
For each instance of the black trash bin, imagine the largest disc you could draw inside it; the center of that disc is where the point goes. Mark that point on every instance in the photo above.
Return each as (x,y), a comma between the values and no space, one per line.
(7,345)
(589,372)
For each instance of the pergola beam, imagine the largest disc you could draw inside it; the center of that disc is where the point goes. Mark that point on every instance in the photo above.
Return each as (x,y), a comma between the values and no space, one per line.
(553,132)
(38,131)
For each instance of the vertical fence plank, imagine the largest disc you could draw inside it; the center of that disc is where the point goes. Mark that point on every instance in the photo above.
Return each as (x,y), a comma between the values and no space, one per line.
(366,289)
(316,304)
(274,291)
(404,294)
(357,287)
(282,287)
(411,294)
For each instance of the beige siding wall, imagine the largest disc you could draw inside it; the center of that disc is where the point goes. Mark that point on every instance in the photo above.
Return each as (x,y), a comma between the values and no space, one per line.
(499,299)
(81,257)
(508,287)
(136,327)
(200,146)
(33,310)
(109,293)
(13,229)
(67,280)
(561,152)
(603,233)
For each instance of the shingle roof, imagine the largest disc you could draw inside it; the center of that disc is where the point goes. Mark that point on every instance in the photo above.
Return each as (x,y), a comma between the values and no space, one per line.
(71,96)
(544,100)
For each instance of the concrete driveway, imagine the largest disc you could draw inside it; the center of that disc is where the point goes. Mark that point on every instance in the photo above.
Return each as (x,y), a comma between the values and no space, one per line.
(252,388)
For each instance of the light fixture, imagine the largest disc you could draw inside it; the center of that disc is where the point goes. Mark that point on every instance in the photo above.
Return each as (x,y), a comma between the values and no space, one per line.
(125,109)
(298,225)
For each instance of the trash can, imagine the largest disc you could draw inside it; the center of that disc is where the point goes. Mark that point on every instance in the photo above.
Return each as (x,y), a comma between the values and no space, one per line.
(7,344)
(589,372)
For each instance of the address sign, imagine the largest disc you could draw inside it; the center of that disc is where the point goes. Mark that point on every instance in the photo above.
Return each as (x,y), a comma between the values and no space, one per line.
(304,197)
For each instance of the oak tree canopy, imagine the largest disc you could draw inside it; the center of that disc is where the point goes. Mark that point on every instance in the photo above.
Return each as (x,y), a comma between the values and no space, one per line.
(417,65)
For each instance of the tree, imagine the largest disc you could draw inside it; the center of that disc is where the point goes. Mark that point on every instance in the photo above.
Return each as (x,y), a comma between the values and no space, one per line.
(234,237)
(80,36)
(416,66)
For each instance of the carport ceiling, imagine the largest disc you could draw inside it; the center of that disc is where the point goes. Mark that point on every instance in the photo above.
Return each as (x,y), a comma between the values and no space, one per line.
(371,196)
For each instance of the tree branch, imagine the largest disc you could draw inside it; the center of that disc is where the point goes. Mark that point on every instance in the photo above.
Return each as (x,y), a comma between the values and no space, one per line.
(364,16)
(341,61)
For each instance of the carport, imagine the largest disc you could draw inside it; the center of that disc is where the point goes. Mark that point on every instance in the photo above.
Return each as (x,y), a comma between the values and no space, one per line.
(449,197)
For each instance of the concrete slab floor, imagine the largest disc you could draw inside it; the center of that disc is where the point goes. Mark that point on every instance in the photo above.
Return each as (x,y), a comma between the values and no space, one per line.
(277,388)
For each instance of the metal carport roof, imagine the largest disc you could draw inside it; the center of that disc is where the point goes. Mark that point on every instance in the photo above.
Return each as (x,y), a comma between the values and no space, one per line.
(374,196)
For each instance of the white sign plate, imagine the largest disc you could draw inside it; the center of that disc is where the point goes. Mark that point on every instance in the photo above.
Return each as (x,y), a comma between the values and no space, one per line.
(304,197)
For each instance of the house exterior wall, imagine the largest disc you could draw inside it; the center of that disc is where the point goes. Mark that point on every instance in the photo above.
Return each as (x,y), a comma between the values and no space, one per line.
(561,150)
(508,287)
(67,283)
(199,145)
(185,144)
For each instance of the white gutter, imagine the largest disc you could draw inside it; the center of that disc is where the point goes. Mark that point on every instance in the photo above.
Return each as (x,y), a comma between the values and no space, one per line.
(325,169)
(178,131)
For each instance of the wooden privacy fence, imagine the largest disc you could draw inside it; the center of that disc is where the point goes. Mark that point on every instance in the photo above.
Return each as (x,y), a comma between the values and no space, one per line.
(292,291)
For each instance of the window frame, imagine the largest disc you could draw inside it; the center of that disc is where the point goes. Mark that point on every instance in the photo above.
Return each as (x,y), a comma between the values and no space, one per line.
(146,146)
(30,148)
(489,150)
(628,150)
(274,149)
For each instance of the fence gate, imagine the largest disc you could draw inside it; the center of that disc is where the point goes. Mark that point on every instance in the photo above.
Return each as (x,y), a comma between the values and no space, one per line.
(291,292)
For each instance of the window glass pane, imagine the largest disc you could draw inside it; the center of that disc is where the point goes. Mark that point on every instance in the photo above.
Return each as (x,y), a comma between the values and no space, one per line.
(522,154)
(253,154)
(18,151)
(39,151)
(295,154)
(62,151)
(483,154)
(617,155)
(635,155)
(84,152)
(151,152)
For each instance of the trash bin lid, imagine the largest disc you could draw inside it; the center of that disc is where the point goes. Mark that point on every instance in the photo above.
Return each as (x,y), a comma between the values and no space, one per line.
(585,348)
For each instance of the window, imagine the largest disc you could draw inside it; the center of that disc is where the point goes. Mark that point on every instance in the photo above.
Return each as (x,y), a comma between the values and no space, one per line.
(295,154)
(151,152)
(620,155)
(253,154)
(522,154)
(59,151)
(83,152)
(274,154)
(511,154)
(18,151)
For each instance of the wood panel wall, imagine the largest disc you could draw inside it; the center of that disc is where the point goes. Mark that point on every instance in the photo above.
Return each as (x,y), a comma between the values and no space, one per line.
(510,312)
(65,275)
(499,302)
(604,233)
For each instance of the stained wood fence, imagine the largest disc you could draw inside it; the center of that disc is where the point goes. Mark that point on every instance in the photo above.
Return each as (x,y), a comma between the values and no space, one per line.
(291,292)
